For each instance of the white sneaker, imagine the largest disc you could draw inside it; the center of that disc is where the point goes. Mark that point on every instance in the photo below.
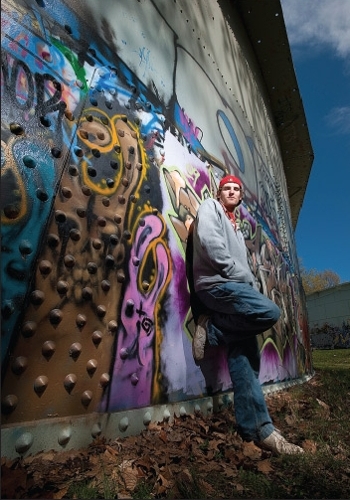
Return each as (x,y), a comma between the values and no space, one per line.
(200,338)
(276,443)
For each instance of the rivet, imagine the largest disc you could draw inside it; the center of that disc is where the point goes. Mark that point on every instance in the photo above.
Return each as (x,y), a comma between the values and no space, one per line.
(28,329)
(197,409)
(56,152)
(129,309)
(24,442)
(124,353)
(110,182)
(166,414)
(135,261)
(120,276)
(121,199)
(86,293)
(133,198)
(134,379)
(40,384)
(44,120)
(125,182)
(73,170)
(142,222)
(69,261)
(69,115)
(127,235)
(75,350)
(8,309)
(138,166)
(147,418)
(79,152)
(86,398)
(62,287)
(147,188)
(81,212)
(64,436)
(114,164)
(106,201)
(105,285)
(25,247)
(92,171)
(86,190)
(101,311)
(117,218)
(91,267)
(75,234)
(29,162)
(91,366)
(131,150)
(97,337)
(104,380)
(19,365)
(53,240)
(89,118)
(96,430)
(37,297)
(83,134)
(117,148)
(42,195)
(66,192)
(96,152)
(69,382)
(55,316)
(128,165)
(183,411)
(60,216)
(101,135)
(16,128)
(12,211)
(48,348)
(96,243)
(120,132)
(114,240)
(112,326)
(45,267)
(123,424)
(81,320)
(9,404)
(101,221)
(145,285)
(109,260)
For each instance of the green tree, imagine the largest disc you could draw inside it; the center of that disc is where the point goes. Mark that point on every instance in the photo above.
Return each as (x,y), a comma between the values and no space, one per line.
(315,281)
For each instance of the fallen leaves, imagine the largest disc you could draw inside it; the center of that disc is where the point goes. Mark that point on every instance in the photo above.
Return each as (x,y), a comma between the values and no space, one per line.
(163,456)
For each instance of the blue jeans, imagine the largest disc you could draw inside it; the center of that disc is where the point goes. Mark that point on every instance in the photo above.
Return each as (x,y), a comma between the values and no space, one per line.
(238,314)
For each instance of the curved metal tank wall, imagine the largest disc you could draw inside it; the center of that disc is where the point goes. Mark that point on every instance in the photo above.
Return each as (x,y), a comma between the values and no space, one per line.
(118,118)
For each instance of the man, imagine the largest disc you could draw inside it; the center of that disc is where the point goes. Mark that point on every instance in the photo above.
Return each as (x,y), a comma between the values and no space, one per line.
(229,309)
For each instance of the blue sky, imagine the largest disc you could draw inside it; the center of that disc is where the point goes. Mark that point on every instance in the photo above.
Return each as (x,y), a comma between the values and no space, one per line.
(319,38)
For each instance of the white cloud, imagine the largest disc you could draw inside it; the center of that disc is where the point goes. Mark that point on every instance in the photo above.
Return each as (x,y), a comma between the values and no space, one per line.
(318,23)
(339,119)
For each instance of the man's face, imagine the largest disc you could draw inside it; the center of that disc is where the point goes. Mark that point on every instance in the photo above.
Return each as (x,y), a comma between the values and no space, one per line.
(230,195)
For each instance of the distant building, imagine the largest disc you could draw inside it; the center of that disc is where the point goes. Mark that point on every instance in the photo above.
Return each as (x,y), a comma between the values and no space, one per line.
(329,317)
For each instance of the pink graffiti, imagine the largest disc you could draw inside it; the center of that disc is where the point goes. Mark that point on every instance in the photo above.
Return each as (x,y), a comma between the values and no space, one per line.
(138,335)
(189,129)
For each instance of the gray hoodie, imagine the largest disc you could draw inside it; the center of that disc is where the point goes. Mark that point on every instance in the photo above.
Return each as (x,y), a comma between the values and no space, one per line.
(219,251)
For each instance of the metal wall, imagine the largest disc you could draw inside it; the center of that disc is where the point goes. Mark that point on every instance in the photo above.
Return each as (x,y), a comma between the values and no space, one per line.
(118,118)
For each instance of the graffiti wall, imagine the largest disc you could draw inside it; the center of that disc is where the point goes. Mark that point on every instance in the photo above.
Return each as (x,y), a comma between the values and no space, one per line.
(118,119)
(329,317)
